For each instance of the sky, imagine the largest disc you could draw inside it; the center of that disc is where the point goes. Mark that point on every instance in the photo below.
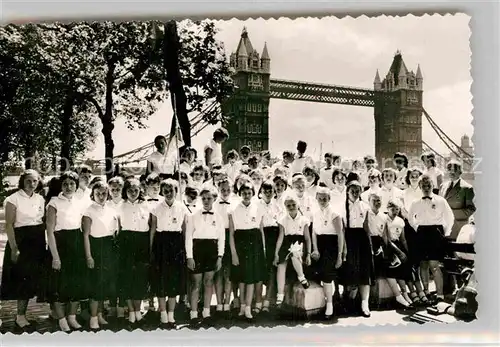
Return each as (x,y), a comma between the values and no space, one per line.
(345,52)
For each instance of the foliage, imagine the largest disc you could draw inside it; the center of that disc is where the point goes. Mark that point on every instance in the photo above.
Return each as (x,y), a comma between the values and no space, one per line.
(101,71)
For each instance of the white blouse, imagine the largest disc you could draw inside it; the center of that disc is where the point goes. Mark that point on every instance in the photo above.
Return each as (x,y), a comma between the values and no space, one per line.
(395,228)
(306,204)
(246,217)
(357,214)
(270,213)
(222,207)
(162,163)
(153,201)
(115,205)
(410,195)
(84,196)
(434,173)
(104,220)
(376,223)
(337,199)
(293,226)
(401,179)
(134,216)
(170,218)
(322,220)
(365,196)
(386,194)
(206,225)
(29,209)
(433,211)
(325,176)
(69,212)
(216,156)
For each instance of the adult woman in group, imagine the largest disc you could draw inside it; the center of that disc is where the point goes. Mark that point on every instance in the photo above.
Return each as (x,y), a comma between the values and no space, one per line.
(25,251)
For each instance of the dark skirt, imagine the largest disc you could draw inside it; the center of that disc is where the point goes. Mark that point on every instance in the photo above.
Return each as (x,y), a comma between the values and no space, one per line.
(289,240)
(104,275)
(133,265)
(358,268)
(328,249)
(404,270)
(430,242)
(23,280)
(226,259)
(250,250)
(169,264)
(379,261)
(271,236)
(70,283)
(205,254)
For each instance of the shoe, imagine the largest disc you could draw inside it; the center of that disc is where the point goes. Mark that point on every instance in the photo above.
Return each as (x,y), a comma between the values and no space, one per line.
(365,313)
(73,323)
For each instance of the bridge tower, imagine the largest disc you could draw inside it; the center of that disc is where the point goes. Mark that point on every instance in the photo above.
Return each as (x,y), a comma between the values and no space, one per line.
(398,123)
(247,110)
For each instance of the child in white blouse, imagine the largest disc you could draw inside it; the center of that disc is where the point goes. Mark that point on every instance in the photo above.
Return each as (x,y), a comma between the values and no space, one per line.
(305,201)
(153,199)
(199,174)
(64,236)
(247,249)
(223,284)
(100,223)
(134,215)
(205,242)
(116,199)
(294,244)
(167,235)
(389,191)
(328,243)
(280,189)
(399,270)
(432,218)
(271,214)
(374,179)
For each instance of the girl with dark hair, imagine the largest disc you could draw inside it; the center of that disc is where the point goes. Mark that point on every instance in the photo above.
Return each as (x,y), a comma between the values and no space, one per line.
(133,239)
(271,213)
(100,224)
(339,190)
(358,269)
(312,179)
(374,180)
(25,251)
(436,175)
(247,248)
(413,193)
(401,163)
(65,239)
(167,242)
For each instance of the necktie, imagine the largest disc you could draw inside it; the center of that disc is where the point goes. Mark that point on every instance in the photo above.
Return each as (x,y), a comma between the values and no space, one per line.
(207,212)
(426,197)
(224,202)
(327,168)
(449,189)
(153,200)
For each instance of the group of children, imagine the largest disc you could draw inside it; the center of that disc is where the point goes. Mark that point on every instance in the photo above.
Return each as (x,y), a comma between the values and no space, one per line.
(239,228)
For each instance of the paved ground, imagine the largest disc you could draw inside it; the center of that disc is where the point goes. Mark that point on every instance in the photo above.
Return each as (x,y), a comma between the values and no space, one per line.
(38,313)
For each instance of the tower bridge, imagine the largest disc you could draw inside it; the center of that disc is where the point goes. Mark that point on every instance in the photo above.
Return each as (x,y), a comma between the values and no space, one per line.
(396,100)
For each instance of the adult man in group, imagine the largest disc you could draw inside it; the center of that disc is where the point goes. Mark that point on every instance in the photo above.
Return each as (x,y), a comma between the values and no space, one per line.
(161,161)
(459,195)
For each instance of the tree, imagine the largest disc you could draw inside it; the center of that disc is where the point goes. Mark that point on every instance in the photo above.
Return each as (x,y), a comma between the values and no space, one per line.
(68,72)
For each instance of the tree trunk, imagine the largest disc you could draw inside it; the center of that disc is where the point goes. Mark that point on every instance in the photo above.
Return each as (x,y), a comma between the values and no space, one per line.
(107,121)
(171,53)
(66,160)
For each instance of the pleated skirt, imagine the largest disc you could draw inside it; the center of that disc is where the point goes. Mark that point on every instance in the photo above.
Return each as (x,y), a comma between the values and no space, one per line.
(358,269)
(23,280)
(168,264)
(252,260)
(134,264)
(103,277)
(70,283)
